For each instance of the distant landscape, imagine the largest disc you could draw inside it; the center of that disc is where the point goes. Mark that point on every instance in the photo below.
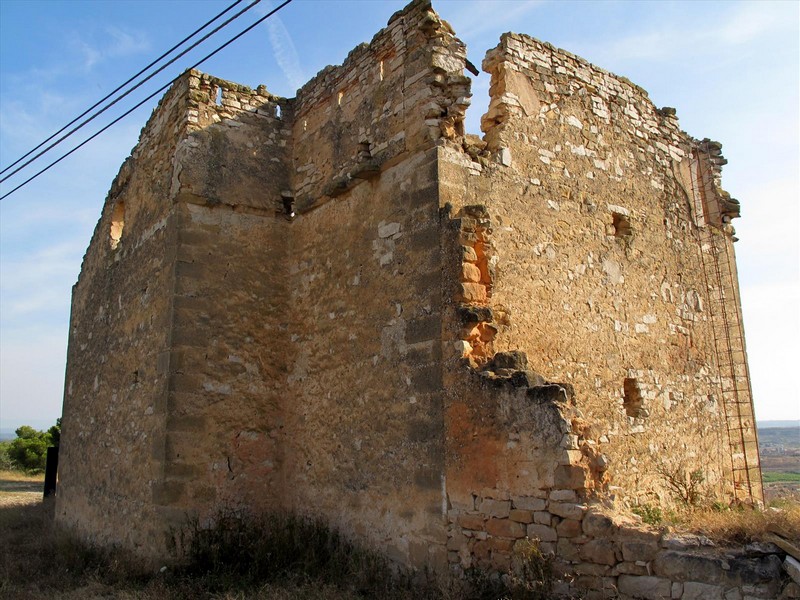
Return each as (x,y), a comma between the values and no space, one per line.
(779,444)
(773,424)
(780,461)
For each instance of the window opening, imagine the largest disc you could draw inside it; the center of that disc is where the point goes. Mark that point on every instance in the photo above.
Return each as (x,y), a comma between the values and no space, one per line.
(632,398)
(288,204)
(622,225)
(363,151)
(117,224)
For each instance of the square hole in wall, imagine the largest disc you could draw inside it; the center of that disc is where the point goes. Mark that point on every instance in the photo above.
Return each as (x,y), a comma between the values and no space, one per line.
(622,225)
(632,398)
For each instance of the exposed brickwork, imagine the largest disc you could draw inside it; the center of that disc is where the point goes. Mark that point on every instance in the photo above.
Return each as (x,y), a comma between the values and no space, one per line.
(341,305)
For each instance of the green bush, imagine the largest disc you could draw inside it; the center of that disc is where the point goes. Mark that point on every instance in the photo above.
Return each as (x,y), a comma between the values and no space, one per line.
(28,452)
(5,460)
(650,514)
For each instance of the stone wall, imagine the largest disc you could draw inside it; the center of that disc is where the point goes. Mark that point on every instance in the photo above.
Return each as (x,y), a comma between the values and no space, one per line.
(599,271)
(115,397)
(399,93)
(602,555)
(229,303)
(365,441)
(342,306)
(169,413)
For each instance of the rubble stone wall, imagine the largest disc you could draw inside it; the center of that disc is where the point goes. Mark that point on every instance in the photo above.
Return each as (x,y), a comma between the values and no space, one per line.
(364,441)
(398,94)
(115,397)
(229,334)
(599,275)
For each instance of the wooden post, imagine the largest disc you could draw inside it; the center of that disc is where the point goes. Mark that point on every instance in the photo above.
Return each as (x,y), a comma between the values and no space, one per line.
(50,472)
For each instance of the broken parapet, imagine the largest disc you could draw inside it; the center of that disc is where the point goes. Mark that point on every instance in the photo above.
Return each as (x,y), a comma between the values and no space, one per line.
(401,93)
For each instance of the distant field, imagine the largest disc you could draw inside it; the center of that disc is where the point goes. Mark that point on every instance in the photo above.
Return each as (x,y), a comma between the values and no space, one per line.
(784,436)
(774,477)
(780,461)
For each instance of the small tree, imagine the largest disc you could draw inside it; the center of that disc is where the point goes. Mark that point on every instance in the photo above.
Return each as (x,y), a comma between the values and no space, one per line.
(687,486)
(5,460)
(55,433)
(28,451)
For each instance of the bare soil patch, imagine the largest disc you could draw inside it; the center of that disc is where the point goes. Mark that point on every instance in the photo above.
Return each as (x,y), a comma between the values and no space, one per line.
(19,489)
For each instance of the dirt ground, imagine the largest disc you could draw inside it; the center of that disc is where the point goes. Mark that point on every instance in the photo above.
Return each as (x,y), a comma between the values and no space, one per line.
(18,489)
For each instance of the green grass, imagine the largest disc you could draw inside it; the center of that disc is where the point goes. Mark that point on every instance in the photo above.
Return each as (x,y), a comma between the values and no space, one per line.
(779,477)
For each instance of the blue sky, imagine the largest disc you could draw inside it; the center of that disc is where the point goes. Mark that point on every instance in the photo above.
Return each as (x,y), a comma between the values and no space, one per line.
(730,68)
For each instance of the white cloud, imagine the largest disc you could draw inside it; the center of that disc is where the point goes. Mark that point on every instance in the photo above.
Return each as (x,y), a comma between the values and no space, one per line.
(750,22)
(283,48)
(126,43)
(91,55)
(36,283)
(111,42)
(285,52)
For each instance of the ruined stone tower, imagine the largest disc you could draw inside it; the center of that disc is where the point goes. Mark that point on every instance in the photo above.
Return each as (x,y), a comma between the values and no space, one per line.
(341,305)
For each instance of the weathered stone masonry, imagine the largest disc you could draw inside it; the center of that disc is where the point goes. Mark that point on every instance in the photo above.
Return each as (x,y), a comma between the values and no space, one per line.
(341,305)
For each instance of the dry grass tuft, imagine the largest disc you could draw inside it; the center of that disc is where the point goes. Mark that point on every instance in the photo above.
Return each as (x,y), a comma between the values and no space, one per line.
(744,525)
(230,561)
(38,561)
(21,476)
(19,489)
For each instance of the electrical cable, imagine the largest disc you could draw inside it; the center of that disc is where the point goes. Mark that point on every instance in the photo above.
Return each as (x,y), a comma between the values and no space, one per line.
(138,85)
(158,91)
(110,94)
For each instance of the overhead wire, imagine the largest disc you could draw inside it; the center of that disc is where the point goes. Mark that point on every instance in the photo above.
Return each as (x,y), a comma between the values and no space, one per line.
(158,91)
(118,88)
(138,85)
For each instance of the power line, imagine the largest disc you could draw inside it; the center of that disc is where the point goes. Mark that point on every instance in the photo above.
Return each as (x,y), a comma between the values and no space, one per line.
(158,91)
(99,102)
(138,85)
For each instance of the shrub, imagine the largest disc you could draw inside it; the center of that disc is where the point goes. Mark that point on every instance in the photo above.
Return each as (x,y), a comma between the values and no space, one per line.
(531,578)
(686,486)
(743,524)
(650,514)
(6,464)
(536,577)
(28,452)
